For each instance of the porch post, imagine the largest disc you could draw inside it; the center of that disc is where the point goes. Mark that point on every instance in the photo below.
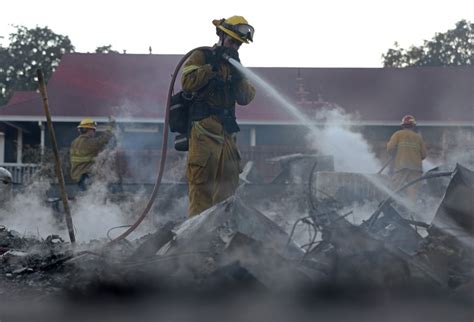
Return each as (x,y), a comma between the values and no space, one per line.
(253,136)
(41,125)
(2,147)
(19,146)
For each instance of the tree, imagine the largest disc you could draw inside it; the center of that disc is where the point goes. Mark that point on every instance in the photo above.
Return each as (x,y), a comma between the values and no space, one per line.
(452,48)
(28,50)
(3,85)
(105,50)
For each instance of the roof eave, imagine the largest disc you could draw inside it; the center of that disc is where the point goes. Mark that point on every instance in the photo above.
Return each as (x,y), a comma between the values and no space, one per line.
(27,118)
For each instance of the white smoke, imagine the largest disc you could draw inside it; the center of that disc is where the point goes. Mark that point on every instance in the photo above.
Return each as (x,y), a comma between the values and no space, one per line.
(352,153)
(458,147)
(285,212)
(337,137)
(29,214)
(95,212)
(125,110)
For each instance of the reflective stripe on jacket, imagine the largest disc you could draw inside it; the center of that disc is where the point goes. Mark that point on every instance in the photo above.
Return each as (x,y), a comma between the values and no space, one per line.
(410,149)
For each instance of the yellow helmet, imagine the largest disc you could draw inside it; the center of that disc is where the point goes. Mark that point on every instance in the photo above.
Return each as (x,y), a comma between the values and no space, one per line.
(236,27)
(87,123)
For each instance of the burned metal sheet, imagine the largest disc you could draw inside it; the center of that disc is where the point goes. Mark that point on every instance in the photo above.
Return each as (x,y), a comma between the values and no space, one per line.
(201,243)
(394,229)
(265,265)
(385,249)
(214,228)
(455,214)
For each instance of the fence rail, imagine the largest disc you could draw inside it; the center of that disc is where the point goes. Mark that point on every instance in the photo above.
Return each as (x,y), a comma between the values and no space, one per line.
(21,173)
(142,166)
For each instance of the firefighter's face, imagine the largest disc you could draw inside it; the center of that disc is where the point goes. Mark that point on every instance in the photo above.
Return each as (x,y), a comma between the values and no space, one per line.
(90,132)
(232,43)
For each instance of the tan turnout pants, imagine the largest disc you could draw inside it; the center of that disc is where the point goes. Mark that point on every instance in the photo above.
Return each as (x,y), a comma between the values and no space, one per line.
(213,165)
(402,177)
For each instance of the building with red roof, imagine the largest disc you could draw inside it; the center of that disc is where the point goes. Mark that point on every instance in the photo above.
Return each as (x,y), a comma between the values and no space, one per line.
(133,89)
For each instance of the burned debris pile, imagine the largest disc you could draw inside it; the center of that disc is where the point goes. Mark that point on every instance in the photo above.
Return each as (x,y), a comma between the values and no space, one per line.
(235,246)
(25,263)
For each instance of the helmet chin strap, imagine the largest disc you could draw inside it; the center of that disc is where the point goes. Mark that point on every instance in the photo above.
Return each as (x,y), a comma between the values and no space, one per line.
(221,37)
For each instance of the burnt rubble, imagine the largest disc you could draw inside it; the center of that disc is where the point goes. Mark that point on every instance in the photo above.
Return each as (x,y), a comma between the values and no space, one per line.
(233,248)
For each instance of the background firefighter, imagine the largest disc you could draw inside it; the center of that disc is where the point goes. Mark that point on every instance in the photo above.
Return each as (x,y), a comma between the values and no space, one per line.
(85,148)
(409,150)
(213,165)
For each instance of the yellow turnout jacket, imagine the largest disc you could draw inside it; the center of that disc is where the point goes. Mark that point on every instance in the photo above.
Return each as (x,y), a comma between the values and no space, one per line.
(197,74)
(410,149)
(83,151)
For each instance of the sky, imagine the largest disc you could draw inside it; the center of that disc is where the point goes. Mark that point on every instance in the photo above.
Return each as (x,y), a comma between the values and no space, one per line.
(296,33)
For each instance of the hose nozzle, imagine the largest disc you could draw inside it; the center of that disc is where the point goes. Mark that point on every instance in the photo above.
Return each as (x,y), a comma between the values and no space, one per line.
(227,57)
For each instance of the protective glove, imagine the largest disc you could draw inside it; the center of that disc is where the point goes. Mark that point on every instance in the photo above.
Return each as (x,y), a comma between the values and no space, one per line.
(216,58)
(236,75)
(232,53)
(219,51)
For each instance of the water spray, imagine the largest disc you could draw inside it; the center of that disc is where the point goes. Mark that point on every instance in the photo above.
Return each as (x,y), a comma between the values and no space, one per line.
(314,132)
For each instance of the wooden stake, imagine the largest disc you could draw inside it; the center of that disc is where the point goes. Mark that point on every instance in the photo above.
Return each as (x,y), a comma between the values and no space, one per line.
(59,170)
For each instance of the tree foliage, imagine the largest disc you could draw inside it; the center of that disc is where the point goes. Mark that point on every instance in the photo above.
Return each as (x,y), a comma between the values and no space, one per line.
(105,50)
(452,48)
(28,50)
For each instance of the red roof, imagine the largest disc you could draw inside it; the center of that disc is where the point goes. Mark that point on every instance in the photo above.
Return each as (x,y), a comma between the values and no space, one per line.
(22,97)
(99,85)
(135,87)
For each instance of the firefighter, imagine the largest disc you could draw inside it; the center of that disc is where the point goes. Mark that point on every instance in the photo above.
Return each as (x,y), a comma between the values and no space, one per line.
(85,148)
(408,149)
(213,163)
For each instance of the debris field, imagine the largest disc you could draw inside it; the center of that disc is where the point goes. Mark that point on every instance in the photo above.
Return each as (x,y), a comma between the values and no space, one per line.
(233,255)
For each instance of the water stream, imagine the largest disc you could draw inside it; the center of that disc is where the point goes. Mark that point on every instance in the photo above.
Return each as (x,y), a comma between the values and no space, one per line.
(334,138)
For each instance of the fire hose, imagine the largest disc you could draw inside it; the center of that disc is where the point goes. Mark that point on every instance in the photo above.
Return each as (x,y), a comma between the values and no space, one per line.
(164,148)
(386,164)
